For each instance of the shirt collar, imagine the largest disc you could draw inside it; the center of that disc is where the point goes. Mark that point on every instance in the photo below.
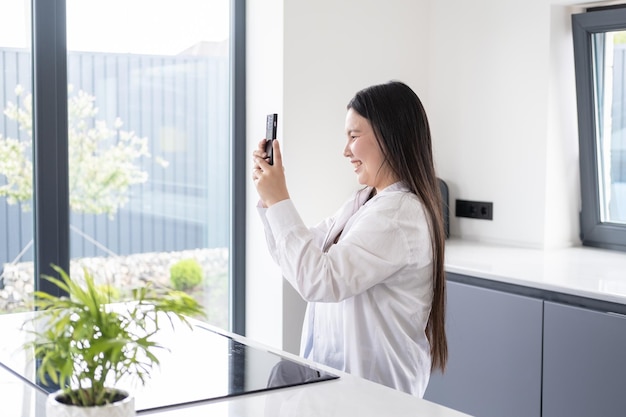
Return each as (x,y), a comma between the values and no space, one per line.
(396,186)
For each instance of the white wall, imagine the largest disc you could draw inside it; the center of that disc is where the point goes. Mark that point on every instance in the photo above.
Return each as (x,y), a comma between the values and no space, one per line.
(504,117)
(496,78)
(264,75)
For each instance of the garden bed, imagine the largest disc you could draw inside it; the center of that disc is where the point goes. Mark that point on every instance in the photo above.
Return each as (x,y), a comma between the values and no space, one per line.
(126,272)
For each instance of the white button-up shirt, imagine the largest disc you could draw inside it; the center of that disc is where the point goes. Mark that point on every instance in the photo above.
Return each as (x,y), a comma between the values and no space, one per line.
(369,294)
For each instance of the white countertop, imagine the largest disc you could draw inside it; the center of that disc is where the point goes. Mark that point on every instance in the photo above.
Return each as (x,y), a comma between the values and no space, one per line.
(581,271)
(346,396)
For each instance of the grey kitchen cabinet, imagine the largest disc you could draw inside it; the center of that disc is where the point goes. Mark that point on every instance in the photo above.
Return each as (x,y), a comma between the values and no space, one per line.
(495,353)
(584,365)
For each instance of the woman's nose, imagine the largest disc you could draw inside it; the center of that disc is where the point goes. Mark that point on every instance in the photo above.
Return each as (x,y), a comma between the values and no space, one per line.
(346,151)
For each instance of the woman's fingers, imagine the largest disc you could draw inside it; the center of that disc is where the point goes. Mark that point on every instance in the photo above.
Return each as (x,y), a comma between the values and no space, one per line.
(278,156)
(260,150)
(270,179)
(259,156)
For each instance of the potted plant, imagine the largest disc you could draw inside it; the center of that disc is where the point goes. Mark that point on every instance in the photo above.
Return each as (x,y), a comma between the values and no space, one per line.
(85,344)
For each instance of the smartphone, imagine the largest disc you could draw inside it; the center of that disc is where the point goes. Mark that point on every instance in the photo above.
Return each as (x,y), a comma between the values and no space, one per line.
(271,124)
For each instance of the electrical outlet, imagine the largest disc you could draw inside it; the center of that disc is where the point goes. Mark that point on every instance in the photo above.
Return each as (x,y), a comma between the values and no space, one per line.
(474,209)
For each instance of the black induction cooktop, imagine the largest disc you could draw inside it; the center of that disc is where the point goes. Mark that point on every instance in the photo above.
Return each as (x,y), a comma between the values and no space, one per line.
(201,363)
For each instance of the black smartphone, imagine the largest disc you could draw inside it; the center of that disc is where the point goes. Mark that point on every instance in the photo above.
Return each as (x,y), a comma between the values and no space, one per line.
(271,124)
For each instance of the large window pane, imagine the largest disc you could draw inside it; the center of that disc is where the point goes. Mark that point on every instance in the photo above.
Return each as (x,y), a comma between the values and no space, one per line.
(16,215)
(609,51)
(149,148)
(599,46)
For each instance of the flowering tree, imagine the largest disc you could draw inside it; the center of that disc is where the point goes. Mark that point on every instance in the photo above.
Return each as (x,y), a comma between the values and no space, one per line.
(102,160)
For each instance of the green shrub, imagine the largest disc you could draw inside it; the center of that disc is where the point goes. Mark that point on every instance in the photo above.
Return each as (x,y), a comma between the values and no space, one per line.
(185,274)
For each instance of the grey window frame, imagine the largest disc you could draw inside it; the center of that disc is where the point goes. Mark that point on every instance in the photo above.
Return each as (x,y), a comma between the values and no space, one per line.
(50,156)
(593,231)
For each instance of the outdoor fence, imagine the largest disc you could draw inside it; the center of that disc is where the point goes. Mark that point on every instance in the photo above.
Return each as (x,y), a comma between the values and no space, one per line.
(181,104)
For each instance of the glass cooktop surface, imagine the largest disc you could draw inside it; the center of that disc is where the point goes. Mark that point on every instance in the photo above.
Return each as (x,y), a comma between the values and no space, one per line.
(200,364)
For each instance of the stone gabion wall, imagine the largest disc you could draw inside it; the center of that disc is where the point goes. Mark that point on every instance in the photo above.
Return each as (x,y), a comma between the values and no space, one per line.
(120,272)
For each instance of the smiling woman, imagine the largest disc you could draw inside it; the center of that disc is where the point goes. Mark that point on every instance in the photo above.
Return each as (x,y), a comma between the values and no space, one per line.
(369,162)
(372,274)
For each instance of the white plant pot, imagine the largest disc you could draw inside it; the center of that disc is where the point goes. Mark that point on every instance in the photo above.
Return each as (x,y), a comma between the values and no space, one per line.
(123,408)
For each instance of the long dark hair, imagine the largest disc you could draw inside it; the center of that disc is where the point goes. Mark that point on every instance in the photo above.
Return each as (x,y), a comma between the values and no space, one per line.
(401,127)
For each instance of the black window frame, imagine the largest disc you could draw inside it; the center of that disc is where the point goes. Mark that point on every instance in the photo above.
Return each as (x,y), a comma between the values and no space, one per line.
(50,157)
(593,231)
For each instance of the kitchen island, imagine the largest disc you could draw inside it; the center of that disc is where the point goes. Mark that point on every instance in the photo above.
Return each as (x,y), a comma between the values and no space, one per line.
(211,372)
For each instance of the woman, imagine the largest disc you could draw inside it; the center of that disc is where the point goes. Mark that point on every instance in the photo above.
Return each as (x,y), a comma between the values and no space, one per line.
(373,273)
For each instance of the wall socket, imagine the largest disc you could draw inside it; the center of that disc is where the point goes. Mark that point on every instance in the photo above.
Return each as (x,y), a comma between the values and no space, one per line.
(474,209)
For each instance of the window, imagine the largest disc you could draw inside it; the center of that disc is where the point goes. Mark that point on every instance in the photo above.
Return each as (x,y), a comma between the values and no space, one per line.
(16,172)
(138,146)
(600,64)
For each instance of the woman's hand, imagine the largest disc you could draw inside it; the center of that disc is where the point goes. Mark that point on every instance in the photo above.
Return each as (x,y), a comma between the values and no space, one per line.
(269,180)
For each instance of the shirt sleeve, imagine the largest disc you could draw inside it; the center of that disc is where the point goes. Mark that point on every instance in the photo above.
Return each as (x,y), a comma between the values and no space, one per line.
(269,237)
(373,249)
(318,232)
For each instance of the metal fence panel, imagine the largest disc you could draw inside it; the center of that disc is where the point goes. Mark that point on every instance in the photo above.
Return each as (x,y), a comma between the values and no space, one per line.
(181,105)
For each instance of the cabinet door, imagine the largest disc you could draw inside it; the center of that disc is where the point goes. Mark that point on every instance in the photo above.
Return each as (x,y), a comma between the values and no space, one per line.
(584,367)
(494,343)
